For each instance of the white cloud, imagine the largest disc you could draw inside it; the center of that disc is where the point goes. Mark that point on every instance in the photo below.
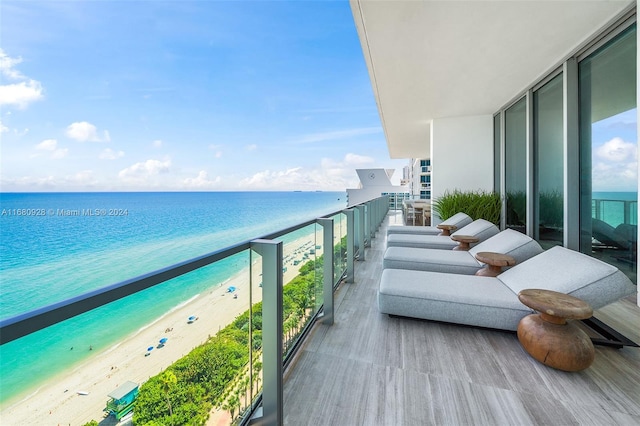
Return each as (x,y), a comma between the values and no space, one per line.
(144,170)
(614,176)
(202,181)
(47,145)
(615,166)
(290,178)
(330,175)
(83,131)
(157,143)
(617,150)
(29,183)
(357,160)
(60,153)
(21,93)
(110,154)
(251,147)
(3,128)
(51,145)
(83,178)
(7,65)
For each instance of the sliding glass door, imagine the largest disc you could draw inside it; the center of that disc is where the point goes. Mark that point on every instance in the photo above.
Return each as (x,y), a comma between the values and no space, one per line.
(608,152)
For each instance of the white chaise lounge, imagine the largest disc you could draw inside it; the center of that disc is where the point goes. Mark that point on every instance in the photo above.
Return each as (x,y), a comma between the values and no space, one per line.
(480,228)
(459,220)
(493,302)
(517,245)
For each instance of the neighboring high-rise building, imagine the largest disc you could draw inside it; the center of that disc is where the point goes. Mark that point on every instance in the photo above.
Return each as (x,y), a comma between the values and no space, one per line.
(373,184)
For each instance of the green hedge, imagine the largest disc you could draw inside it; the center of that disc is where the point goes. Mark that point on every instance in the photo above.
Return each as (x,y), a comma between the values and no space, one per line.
(477,204)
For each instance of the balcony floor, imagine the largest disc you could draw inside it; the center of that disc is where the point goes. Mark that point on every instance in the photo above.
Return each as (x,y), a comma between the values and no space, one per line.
(370,369)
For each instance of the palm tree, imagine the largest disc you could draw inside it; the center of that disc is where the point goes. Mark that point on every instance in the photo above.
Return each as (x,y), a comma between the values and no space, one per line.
(168,380)
(234,402)
(244,385)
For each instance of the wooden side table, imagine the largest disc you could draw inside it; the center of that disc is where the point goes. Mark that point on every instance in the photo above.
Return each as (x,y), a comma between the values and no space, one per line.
(494,261)
(464,241)
(548,337)
(446,229)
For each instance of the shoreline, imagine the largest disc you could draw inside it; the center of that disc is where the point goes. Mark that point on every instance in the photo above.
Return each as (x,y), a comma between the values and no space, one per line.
(57,400)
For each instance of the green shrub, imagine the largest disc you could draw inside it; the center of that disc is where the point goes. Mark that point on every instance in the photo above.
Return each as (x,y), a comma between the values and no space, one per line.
(551,209)
(477,204)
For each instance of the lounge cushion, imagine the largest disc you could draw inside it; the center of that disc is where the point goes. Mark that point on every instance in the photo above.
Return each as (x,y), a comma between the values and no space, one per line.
(455,262)
(493,302)
(480,228)
(460,299)
(516,244)
(510,242)
(570,272)
(459,220)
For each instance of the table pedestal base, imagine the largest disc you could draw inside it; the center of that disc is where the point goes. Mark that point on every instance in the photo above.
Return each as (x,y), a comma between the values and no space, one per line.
(562,346)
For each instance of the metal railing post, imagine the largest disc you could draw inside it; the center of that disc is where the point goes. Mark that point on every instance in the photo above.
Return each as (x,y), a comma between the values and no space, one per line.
(370,221)
(360,231)
(351,235)
(272,393)
(327,270)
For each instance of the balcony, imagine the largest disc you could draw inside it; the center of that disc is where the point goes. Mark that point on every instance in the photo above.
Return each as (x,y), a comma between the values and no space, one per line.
(369,369)
(350,365)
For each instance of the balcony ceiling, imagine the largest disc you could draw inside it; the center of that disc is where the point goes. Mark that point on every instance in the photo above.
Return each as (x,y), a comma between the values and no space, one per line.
(434,59)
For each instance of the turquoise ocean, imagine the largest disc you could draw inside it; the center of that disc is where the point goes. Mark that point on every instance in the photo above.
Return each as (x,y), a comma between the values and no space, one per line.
(613,206)
(54,246)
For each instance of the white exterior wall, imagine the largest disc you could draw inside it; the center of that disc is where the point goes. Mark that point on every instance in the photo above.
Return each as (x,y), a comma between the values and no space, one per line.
(461,154)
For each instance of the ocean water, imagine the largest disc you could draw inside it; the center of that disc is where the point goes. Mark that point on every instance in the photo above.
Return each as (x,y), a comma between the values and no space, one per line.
(612,207)
(54,246)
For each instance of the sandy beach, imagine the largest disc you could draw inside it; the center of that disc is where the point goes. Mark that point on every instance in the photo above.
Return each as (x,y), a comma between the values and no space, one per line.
(58,402)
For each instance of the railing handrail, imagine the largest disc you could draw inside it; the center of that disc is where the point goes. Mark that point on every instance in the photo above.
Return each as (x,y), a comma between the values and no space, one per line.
(29,322)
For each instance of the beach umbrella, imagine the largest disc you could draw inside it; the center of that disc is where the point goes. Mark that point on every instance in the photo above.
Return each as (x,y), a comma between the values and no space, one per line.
(163,340)
(150,348)
(192,318)
(231,289)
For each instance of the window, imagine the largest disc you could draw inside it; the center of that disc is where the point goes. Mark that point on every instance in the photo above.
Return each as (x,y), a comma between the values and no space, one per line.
(549,163)
(516,165)
(608,152)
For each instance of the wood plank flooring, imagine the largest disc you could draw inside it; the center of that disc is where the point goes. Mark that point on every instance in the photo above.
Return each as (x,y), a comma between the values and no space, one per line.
(370,369)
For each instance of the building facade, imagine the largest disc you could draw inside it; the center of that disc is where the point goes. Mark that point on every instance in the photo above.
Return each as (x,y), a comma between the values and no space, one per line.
(534,100)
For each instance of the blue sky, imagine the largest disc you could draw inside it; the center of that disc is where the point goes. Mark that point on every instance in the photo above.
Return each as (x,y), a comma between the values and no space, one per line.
(202,95)
(615,153)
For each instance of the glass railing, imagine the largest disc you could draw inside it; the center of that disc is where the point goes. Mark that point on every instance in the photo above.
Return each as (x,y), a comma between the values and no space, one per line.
(218,356)
(615,212)
(614,227)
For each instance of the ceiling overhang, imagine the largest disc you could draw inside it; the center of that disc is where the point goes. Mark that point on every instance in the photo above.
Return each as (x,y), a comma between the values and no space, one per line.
(435,59)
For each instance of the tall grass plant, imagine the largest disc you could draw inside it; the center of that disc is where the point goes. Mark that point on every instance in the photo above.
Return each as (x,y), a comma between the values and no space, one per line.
(477,204)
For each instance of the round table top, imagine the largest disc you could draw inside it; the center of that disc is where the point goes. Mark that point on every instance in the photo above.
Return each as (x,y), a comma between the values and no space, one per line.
(446,227)
(465,238)
(555,304)
(495,259)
